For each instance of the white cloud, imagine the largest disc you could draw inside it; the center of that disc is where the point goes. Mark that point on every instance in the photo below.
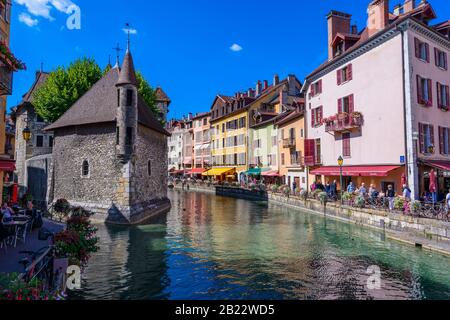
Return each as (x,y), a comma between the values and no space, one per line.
(28,20)
(131,30)
(236,48)
(43,8)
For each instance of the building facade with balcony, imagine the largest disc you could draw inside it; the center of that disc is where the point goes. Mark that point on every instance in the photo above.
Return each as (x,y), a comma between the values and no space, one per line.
(177,129)
(372,101)
(291,147)
(202,143)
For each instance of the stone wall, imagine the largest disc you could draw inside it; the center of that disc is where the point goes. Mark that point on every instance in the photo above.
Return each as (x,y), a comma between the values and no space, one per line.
(96,144)
(38,169)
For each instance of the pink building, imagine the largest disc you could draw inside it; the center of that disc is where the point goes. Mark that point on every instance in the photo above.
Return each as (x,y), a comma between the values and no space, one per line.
(381,100)
(202,143)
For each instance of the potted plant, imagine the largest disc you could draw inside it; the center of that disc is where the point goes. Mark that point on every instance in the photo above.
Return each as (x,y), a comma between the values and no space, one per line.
(360,201)
(323,198)
(347,197)
(62,208)
(275,188)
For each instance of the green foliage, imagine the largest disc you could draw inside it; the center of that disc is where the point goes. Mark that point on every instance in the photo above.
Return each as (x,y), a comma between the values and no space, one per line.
(148,94)
(347,196)
(323,197)
(64,87)
(12,288)
(360,202)
(399,203)
(316,193)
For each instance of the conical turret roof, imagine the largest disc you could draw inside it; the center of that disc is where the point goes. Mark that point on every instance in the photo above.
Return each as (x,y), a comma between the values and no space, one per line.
(127,73)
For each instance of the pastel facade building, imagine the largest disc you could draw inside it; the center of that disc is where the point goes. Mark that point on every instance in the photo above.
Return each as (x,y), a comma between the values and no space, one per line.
(202,143)
(381,99)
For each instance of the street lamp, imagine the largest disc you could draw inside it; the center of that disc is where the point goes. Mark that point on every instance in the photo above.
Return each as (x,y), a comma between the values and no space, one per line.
(341,163)
(26,133)
(431,149)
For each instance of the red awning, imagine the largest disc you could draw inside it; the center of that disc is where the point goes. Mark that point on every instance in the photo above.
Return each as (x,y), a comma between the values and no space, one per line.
(443,165)
(197,171)
(362,171)
(270,174)
(7,165)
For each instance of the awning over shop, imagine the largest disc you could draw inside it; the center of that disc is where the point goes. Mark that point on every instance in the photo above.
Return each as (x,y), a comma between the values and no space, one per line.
(218,172)
(356,171)
(197,171)
(442,165)
(7,165)
(175,172)
(254,171)
(270,174)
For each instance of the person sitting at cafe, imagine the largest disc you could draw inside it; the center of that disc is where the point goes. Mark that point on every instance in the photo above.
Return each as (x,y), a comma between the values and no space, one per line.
(7,212)
(31,211)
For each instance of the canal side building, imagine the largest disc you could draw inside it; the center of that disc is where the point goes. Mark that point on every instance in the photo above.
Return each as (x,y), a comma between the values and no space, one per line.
(202,143)
(381,100)
(110,152)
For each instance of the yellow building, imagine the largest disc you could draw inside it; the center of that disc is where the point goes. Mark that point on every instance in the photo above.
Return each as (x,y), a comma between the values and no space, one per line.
(8,65)
(232,117)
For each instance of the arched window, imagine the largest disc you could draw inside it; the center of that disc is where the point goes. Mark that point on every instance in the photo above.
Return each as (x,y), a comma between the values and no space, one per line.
(85,168)
(149,168)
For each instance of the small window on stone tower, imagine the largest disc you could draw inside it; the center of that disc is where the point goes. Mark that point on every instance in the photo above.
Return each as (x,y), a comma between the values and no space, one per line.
(149,168)
(118,97)
(129,136)
(117,136)
(129,98)
(85,168)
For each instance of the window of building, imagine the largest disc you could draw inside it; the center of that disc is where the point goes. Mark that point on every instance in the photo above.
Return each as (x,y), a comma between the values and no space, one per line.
(274,141)
(50,142)
(85,168)
(283,160)
(440,59)
(39,119)
(129,136)
(205,121)
(149,168)
(346,104)
(316,116)
(422,50)
(318,151)
(345,74)
(316,88)
(129,98)
(424,91)
(118,97)
(444,140)
(443,95)
(282,134)
(302,133)
(118,136)
(346,150)
(426,138)
(39,141)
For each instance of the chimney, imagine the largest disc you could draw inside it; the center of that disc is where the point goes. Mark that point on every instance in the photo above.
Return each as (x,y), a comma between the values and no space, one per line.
(250,93)
(398,9)
(258,88)
(338,22)
(266,85)
(292,90)
(283,96)
(409,5)
(354,29)
(378,16)
(276,80)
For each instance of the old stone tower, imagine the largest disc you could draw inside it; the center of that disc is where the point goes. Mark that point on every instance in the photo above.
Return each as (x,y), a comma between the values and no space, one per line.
(110,152)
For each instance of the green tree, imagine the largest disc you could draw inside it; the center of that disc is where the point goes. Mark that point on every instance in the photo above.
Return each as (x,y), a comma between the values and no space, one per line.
(64,87)
(148,94)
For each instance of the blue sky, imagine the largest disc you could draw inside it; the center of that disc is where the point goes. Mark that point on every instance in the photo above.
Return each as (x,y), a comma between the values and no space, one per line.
(185,46)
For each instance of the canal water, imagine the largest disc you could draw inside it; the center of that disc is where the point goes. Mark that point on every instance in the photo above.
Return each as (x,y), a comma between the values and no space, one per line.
(221,248)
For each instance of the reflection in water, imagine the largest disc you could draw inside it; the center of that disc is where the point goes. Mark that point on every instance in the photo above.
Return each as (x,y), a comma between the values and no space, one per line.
(221,248)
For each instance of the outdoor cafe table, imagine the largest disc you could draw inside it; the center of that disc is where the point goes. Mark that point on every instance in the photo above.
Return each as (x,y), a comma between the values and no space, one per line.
(16,225)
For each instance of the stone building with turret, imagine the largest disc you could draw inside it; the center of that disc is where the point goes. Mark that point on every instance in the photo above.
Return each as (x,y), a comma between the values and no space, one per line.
(110,152)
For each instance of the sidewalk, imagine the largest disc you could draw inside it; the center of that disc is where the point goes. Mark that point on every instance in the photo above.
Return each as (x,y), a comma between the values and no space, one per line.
(9,260)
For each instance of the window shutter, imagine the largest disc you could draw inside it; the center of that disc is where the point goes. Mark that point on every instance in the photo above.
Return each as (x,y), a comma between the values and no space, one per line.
(419,90)
(427,47)
(436,57)
(313,111)
(320,86)
(432,135)
(447,94)
(312,90)
(339,105)
(421,138)
(417,47)
(310,152)
(320,115)
(439,95)
(339,77)
(445,61)
(430,91)
(349,72)
(441,140)
(448,139)
(351,103)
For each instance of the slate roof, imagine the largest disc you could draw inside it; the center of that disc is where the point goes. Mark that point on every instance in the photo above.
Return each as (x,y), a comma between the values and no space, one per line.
(99,105)
(161,95)
(40,79)
(127,72)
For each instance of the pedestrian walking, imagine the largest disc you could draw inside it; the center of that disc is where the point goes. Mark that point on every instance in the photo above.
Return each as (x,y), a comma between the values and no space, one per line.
(390,194)
(333,190)
(351,187)
(447,198)
(363,190)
